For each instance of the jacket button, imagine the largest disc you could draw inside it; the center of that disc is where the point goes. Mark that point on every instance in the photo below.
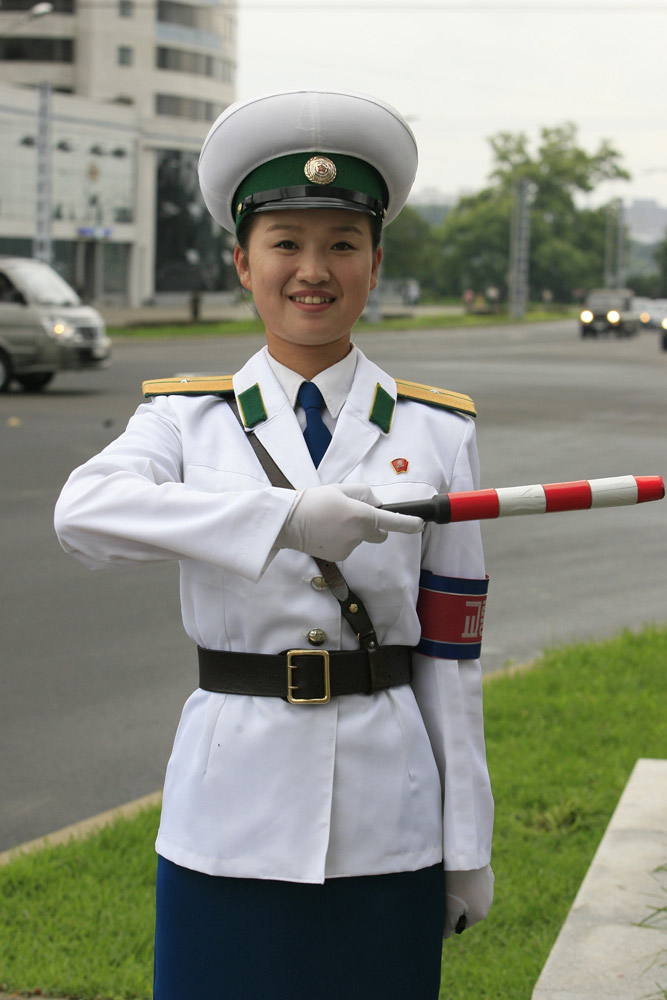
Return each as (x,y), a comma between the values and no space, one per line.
(317,636)
(319,583)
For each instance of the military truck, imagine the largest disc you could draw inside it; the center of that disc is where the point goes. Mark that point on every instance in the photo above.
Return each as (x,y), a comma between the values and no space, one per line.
(609,311)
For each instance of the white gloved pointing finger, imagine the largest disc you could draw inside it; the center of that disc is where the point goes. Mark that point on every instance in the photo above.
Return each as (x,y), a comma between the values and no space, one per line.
(330,521)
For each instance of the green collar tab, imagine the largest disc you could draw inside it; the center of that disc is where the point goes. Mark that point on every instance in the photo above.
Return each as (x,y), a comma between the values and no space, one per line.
(382,410)
(252,406)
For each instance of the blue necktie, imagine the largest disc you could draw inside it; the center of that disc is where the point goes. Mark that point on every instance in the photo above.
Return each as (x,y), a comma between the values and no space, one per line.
(316,432)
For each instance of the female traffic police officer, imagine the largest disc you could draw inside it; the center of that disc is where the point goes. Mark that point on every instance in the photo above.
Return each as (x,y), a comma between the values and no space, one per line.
(331,763)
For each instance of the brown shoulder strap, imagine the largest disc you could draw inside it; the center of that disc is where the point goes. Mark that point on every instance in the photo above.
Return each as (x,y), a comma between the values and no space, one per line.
(351,605)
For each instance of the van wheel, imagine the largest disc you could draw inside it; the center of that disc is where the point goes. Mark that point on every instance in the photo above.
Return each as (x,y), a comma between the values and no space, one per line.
(5,372)
(36,381)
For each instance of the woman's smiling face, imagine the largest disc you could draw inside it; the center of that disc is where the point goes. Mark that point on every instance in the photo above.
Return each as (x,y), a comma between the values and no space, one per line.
(310,272)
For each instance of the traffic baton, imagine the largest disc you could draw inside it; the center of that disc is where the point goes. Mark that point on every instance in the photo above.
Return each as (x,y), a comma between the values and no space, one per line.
(507,501)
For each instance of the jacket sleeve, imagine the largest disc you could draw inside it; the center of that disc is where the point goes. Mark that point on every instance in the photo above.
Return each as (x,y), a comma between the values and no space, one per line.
(449,692)
(129,504)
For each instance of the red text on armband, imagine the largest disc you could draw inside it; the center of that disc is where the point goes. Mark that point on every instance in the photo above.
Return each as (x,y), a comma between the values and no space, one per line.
(451,614)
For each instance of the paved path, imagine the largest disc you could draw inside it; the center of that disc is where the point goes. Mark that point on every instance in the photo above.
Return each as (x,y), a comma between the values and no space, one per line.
(609,948)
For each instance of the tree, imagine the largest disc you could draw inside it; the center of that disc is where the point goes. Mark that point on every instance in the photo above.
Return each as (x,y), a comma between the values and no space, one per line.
(567,242)
(473,244)
(661,261)
(408,247)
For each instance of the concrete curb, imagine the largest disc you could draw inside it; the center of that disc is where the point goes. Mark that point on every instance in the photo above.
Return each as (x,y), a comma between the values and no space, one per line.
(20,996)
(24,996)
(613,944)
(77,831)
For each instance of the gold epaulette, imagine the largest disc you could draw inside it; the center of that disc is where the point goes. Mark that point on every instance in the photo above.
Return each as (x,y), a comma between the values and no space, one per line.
(191,385)
(221,385)
(428,394)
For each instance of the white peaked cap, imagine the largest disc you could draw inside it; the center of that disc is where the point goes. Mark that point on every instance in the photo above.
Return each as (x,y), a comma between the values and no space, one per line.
(249,134)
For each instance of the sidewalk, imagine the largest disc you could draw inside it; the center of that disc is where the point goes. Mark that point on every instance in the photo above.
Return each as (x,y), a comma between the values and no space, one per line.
(175,309)
(223,307)
(613,944)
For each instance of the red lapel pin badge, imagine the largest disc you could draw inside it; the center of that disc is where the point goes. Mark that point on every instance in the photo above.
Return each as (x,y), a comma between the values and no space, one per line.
(400,465)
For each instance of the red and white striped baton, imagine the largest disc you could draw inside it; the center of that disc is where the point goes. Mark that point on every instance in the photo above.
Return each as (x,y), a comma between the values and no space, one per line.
(539,499)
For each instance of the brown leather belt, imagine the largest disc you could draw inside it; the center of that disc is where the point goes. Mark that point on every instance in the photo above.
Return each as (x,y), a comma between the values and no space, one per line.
(305,676)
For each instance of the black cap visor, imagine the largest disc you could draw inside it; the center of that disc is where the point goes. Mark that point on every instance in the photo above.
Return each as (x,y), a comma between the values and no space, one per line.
(307,196)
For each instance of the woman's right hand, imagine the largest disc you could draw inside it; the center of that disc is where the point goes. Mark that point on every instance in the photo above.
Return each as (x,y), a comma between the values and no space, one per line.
(330,521)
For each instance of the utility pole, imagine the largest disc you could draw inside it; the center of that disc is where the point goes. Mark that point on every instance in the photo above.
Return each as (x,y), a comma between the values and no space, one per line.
(519,247)
(614,245)
(620,247)
(42,245)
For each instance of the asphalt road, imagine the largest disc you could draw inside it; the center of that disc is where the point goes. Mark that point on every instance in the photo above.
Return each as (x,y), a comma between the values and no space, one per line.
(95,666)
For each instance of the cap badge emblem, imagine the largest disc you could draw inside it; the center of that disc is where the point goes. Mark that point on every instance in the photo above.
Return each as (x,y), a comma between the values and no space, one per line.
(400,465)
(320,170)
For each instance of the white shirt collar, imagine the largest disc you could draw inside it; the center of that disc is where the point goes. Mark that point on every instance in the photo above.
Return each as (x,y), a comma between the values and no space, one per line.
(334,383)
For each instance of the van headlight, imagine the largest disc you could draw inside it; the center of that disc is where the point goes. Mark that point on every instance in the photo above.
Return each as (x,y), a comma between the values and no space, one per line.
(59,328)
(613,316)
(586,316)
(663,324)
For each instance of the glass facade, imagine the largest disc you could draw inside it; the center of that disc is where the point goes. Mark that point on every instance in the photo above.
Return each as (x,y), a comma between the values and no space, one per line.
(92,173)
(24,49)
(186,107)
(185,61)
(74,261)
(187,15)
(192,251)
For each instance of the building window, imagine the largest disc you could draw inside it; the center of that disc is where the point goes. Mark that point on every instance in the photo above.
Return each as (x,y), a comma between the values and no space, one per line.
(21,49)
(183,61)
(125,55)
(185,107)
(126,8)
(185,15)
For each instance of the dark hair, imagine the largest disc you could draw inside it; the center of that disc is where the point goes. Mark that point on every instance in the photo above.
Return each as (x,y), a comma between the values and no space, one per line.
(243,235)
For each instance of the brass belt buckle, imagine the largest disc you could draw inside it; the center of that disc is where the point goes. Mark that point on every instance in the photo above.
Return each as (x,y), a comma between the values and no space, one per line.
(291,666)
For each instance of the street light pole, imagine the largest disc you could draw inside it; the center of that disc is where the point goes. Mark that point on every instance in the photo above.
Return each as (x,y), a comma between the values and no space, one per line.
(38,10)
(519,247)
(42,246)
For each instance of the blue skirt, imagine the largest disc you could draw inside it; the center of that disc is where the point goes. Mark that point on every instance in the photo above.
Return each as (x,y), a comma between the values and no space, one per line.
(376,936)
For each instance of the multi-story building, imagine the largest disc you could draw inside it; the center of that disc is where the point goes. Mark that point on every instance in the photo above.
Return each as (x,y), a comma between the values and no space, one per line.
(128,89)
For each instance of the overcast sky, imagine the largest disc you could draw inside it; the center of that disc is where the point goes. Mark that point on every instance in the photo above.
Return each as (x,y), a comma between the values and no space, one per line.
(460,72)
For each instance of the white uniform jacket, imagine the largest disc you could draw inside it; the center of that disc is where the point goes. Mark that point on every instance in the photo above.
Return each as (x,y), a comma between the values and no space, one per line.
(257,787)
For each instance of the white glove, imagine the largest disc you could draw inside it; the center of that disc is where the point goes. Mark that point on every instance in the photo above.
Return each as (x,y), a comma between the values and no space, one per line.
(468,898)
(330,521)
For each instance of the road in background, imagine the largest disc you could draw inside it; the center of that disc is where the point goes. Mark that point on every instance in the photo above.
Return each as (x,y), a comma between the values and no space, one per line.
(96,665)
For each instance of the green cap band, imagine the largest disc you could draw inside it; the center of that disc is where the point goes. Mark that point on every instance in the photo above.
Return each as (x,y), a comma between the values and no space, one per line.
(303,177)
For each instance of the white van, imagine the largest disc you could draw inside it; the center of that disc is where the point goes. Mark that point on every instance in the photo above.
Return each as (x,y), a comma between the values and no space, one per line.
(44,326)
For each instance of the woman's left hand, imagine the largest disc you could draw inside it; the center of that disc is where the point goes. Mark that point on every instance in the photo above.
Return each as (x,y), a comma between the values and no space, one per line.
(468,899)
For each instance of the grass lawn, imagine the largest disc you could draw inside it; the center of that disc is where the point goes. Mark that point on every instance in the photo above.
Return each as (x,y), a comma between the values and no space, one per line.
(77,920)
(235,328)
